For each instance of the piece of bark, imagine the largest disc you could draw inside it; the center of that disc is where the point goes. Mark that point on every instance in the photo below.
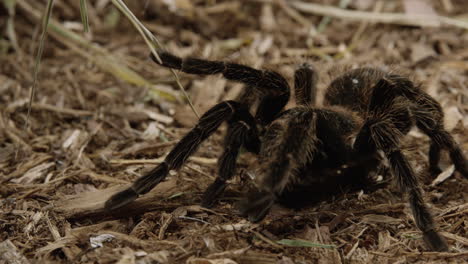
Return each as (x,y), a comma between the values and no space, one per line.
(91,204)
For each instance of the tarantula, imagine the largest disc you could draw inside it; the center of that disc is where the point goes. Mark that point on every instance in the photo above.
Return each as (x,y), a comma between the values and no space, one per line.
(308,149)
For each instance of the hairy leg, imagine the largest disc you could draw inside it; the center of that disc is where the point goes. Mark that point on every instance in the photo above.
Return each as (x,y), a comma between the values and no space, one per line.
(273,87)
(429,118)
(442,139)
(288,144)
(428,115)
(239,133)
(383,135)
(434,158)
(383,129)
(274,92)
(305,81)
(230,111)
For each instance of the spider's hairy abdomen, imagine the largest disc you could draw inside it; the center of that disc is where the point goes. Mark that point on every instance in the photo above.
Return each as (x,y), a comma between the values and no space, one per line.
(353,89)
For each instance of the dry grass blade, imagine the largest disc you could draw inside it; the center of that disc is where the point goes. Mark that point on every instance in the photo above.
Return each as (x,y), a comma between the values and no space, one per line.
(10,28)
(84,15)
(45,23)
(302,243)
(386,18)
(152,43)
(326,20)
(98,55)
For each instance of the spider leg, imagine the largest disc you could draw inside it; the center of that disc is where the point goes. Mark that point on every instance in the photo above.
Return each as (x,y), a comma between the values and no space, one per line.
(442,139)
(383,135)
(383,130)
(428,115)
(389,88)
(429,118)
(271,84)
(239,133)
(230,111)
(286,147)
(305,81)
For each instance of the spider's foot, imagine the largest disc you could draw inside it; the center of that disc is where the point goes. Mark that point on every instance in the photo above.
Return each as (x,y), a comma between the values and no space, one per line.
(435,241)
(257,206)
(120,199)
(212,193)
(167,59)
(463,169)
(435,171)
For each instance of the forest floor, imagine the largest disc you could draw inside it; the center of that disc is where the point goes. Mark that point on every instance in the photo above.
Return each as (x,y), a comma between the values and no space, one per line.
(96,126)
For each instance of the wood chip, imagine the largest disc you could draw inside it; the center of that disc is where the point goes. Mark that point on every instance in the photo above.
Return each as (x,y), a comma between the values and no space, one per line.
(35,173)
(210,261)
(444,175)
(373,218)
(92,203)
(9,254)
(452,117)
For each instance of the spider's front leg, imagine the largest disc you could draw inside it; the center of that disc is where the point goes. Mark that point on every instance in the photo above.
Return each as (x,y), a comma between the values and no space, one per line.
(230,111)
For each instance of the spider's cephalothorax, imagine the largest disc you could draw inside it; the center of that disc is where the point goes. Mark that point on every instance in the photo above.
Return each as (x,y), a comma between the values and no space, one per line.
(309,150)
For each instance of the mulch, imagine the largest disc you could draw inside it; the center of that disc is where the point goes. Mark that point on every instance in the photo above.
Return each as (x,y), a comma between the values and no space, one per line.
(90,133)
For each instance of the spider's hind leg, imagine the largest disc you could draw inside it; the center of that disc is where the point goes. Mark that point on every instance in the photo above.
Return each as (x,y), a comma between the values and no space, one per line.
(429,118)
(427,114)
(385,136)
(383,130)
(273,87)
